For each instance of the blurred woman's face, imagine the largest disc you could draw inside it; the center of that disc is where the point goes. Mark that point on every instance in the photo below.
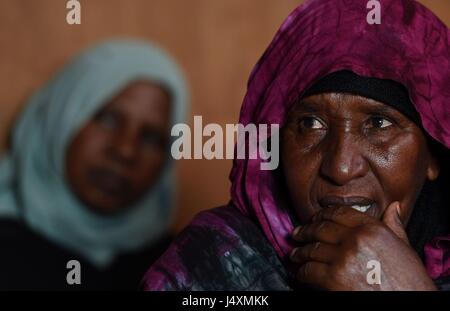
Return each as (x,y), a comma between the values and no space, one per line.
(347,150)
(119,154)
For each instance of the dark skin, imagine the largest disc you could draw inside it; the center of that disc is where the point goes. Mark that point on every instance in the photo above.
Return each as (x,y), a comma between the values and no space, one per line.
(118,155)
(354,168)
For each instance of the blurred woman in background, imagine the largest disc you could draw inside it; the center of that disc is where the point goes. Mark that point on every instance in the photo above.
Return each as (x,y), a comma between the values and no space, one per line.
(88,175)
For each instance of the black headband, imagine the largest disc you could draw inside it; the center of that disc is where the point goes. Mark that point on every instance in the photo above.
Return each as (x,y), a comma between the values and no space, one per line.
(388,92)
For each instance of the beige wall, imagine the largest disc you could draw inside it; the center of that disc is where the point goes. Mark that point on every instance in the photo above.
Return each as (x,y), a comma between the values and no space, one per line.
(216,41)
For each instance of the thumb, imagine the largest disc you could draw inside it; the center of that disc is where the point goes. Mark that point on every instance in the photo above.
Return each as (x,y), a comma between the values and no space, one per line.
(391,218)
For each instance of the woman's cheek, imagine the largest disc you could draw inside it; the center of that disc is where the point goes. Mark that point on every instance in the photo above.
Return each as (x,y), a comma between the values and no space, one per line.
(299,175)
(400,172)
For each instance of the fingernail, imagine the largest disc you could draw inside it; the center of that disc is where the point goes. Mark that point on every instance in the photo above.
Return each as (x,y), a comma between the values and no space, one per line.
(296,231)
(399,218)
(292,255)
(397,208)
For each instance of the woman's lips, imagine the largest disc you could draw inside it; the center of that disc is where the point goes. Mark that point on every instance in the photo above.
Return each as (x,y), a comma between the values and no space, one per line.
(359,203)
(109,182)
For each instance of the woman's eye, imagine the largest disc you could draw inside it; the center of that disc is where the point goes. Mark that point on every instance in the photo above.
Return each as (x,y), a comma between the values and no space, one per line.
(152,139)
(149,139)
(311,123)
(108,120)
(379,122)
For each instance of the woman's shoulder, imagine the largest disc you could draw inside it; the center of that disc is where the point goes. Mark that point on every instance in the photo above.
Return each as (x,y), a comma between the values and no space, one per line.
(221,249)
(13,232)
(26,257)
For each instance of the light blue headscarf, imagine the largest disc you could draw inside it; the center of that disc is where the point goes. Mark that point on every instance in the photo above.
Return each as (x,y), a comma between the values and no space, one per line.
(33,188)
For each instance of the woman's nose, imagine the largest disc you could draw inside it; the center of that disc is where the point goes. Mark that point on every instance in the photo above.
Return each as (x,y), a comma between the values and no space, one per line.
(124,147)
(343,160)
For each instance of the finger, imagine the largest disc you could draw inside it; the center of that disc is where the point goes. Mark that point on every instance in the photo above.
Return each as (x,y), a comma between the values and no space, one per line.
(314,273)
(391,218)
(318,251)
(343,215)
(324,231)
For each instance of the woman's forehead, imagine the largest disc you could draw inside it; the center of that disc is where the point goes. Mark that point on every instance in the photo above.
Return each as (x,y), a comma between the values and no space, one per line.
(327,101)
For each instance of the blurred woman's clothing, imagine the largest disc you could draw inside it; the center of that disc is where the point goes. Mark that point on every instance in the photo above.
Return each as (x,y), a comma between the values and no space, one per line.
(30,261)
(411,47)
(33,187)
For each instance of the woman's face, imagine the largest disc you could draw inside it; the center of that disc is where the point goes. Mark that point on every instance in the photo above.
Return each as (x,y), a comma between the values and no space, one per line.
(347,150)
(118,155)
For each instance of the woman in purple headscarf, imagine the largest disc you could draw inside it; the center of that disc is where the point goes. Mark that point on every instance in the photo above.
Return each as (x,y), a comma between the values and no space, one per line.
(360,200)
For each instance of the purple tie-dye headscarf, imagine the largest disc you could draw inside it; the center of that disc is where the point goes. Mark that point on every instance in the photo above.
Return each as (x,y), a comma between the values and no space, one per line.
(411,46)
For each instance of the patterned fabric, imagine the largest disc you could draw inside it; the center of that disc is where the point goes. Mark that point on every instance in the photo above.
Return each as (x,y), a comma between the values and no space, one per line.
(221,250)
(437,254)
